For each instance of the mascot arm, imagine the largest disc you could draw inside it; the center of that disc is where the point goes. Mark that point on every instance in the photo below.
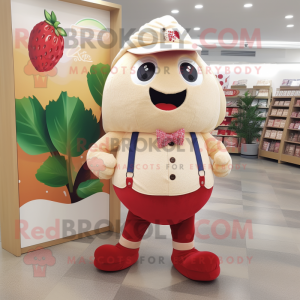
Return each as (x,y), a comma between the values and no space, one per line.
(99,159)
(218,152)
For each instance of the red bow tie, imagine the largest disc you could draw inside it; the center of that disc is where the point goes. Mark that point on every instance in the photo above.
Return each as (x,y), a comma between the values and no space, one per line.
(163,139)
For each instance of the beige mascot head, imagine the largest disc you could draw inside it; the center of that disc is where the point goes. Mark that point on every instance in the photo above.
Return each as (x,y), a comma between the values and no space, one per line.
(158,81)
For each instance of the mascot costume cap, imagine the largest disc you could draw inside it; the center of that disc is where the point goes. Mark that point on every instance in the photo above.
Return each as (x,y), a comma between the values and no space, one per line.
(159,107)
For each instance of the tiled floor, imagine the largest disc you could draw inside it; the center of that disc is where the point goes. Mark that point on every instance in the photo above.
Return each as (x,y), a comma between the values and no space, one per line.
(259,267)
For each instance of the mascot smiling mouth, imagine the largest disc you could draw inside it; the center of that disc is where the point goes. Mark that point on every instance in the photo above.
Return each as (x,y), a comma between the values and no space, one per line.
(167,101)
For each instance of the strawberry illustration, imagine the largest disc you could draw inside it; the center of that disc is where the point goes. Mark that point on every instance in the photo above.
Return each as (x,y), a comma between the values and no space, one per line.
(46,43)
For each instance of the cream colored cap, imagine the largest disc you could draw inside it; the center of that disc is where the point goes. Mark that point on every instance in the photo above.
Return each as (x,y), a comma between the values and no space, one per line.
(159,35)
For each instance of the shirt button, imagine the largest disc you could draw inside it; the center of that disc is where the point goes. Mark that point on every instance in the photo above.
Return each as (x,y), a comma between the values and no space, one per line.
(172,177)
(171,144)
(172,160)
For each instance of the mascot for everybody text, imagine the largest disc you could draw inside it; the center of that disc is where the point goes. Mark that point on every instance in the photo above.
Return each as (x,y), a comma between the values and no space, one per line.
(159,105)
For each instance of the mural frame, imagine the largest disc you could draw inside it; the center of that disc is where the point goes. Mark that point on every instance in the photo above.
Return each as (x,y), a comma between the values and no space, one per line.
(9,188)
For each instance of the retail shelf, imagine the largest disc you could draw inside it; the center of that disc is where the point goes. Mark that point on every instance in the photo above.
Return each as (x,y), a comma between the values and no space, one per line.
(293,142)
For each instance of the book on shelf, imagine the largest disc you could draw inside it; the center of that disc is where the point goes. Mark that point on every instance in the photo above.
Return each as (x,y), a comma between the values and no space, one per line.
(279,112)
(263,93)
(291,150)
(264,82)
(214,132)
(276,103)
(291,126)
(285,82)
(291,136)
(262,112)
(274,112)
(273,134)
(297,151)
(231,103)
(272,146)
(282,123)
(287,149)
(285,112)
(263,103)
(277,146)
(294,114)
(254,102)
(297,125)
(281,103)
(262,124)
(298,115)
(231,141)
(277,123)
(279,135)
(298,103)
(266,146)
(294,82)
(295,137)
(242,82)
(290,82)
(234,111)
(271,123)
(228,111)
(268,133)
(287,103)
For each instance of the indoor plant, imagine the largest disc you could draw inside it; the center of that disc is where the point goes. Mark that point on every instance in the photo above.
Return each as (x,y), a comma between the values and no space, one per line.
(247,125)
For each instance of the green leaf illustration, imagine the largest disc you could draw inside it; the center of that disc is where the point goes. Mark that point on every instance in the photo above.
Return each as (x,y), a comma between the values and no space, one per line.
(53,172)
(89,187)
(72,128)
(96,79)
(47,16)
(61,31)
(53,17)
(32,133)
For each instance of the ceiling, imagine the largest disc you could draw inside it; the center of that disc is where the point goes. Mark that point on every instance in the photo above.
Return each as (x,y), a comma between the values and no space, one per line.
(266,15)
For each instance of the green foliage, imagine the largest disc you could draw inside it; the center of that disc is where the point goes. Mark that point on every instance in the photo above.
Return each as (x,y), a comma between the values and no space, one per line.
(96,79)
(53,172)
(248,122)
(89,187)
(32,133)
(72,128)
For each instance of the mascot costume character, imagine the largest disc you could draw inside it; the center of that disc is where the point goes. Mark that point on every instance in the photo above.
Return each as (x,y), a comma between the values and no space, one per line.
(159,107)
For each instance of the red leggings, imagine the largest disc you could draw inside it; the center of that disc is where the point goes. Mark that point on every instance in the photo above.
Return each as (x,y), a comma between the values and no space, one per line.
(135,228)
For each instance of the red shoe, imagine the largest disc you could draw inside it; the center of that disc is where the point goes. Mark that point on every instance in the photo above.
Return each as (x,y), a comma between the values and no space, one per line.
(115,258)
(196,265)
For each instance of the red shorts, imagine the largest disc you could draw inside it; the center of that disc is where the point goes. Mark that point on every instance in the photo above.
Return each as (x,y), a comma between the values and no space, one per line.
(163,210)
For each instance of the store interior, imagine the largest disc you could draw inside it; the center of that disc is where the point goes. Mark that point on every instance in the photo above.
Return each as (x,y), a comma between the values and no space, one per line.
(252,220)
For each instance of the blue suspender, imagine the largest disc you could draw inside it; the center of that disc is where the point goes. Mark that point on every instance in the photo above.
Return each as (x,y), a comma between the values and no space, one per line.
(132,149)
(198,158)
(131,158)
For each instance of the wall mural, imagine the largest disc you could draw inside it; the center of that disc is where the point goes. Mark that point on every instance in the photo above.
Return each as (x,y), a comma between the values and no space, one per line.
(58,91)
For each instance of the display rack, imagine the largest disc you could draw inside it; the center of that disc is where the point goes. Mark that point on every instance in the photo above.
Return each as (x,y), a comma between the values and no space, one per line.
(281,155)
(235,92)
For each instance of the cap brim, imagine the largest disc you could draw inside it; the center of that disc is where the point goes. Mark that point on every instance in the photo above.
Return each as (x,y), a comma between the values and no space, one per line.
(163,47)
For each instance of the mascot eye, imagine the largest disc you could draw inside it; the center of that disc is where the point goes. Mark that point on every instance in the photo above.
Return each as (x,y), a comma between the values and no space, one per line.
(190,72)
(144,71)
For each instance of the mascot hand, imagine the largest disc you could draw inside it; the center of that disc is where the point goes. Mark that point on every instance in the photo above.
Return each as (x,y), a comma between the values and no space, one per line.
(102,164)
(222,164)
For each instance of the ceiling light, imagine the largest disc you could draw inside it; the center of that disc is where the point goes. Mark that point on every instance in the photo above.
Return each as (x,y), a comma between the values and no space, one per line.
(175,11)
(290,25)
(289,17)
(248,5)
(198,6)
(197,28)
